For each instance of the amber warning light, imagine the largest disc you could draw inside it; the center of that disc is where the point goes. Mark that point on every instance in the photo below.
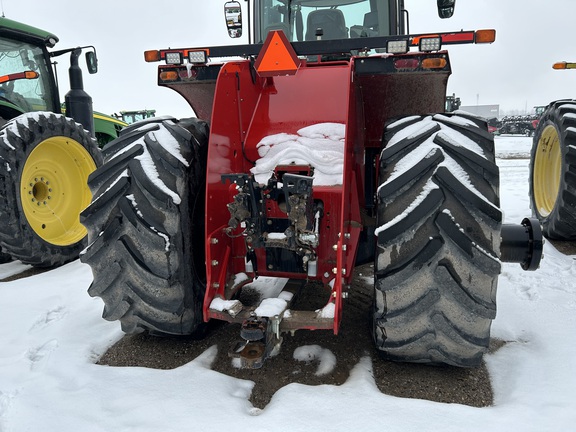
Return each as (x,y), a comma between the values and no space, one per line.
(277,56)
(485,36)
(19,75)
(564,65)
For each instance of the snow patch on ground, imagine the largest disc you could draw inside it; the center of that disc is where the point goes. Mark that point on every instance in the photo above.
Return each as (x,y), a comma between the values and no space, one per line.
(513,147)
(313,353)
(13,268)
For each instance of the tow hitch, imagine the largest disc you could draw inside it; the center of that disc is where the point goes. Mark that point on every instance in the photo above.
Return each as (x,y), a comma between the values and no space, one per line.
(261,340)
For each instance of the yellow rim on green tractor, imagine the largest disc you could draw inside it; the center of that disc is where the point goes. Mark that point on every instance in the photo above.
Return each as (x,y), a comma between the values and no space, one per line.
(547,170)
(54,189)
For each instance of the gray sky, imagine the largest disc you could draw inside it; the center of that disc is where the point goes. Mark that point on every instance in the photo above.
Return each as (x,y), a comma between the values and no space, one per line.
(514,72)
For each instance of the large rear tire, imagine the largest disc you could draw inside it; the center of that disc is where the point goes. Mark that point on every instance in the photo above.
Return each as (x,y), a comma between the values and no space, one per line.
(45,161)
(553,171)
(436,264)
(145,227)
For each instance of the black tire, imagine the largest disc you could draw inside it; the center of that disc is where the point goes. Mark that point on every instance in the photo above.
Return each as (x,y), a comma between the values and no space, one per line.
(436,263)
(146,231)
(553,171)
(45,161)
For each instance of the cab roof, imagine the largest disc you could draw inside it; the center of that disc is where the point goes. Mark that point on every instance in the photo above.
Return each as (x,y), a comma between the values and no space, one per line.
(18,30)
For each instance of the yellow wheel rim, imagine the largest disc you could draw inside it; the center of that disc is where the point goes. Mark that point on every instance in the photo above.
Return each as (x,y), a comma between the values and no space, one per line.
(547,171)
(54,189)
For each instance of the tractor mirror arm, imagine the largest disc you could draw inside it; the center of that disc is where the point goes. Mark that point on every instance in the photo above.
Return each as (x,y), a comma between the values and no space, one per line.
(58,53)
(91,59)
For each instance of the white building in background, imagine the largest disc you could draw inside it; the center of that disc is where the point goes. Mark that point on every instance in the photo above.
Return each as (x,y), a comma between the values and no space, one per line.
(486,111)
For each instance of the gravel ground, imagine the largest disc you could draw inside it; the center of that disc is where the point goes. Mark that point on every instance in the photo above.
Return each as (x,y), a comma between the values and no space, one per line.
(436,383)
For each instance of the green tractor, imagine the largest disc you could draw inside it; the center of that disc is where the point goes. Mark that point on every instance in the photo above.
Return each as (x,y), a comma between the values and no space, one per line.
(45,156)
(553,168)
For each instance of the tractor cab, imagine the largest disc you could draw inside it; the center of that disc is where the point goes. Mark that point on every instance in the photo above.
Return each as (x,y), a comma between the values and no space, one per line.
(311,20)
(322,20)
(29,81)
(26,79)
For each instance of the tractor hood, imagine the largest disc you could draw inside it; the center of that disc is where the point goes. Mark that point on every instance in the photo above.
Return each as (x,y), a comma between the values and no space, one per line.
(17,30)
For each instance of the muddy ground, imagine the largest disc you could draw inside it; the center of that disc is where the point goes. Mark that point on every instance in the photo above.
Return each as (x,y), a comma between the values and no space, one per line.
(442,384)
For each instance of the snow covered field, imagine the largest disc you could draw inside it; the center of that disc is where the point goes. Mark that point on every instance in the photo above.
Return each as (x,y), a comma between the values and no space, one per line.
(51,333)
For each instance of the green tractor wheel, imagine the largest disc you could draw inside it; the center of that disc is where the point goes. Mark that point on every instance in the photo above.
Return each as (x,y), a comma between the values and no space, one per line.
(552,167)
(46,161)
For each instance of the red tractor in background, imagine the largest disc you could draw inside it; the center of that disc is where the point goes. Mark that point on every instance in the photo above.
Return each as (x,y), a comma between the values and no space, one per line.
(325,147)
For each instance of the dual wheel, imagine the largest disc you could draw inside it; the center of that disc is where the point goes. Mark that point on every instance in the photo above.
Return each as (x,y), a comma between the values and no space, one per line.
(45,161)
(436,264)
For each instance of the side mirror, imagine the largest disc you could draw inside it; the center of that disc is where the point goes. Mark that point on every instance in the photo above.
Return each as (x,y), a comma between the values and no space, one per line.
(233,14)
(91,62)
(446,8)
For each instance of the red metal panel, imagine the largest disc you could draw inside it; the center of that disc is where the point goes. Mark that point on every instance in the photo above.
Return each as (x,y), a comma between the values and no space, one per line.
(391,95)
(248,108)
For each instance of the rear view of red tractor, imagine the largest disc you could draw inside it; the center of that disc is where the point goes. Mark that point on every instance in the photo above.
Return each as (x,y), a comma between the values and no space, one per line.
(325,148)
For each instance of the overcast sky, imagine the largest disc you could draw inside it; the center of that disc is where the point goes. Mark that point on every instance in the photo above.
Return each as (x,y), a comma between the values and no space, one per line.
(514,72)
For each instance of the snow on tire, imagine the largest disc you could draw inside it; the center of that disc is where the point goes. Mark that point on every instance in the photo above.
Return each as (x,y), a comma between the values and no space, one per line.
(45,161)
(438,241)
(552,171)
(145,227)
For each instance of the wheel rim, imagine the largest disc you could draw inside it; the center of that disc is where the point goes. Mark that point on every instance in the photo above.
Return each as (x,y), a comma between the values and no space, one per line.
(54,189)
(547,171)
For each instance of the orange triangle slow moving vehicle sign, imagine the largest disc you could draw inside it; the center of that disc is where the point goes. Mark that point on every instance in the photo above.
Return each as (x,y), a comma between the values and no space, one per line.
(277,57)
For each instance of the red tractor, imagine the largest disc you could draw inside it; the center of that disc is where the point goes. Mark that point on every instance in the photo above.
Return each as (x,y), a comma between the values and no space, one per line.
(323,147)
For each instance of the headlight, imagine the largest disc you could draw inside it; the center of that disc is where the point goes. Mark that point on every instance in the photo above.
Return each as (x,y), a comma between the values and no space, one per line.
(197,56)
(430,44)
(173,58)
(397,47)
